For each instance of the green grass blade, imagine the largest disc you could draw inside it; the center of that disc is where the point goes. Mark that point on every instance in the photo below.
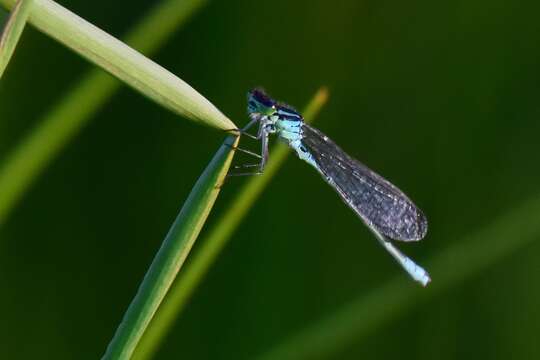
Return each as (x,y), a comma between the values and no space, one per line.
(124,62)
(12,32)
(172,254)
(214,243)
(20,168)
(458,263)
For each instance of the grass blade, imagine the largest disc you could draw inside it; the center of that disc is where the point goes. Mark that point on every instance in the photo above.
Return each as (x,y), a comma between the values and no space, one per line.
(20,168)
(369,313)
(172,254)
(218,237)
(12,32)
(124,62)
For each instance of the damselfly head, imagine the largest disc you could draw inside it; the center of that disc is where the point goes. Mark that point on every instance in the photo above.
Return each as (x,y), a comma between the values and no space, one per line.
(260,103)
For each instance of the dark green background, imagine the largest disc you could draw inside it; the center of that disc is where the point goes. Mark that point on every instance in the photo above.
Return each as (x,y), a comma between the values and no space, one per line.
(440,97)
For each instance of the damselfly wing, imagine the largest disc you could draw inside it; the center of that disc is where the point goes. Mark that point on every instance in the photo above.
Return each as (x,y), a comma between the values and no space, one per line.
(379,204)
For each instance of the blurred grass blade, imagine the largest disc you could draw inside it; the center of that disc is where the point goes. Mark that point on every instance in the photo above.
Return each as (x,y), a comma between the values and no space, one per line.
(12,32)
(124,62)
(172,254)
(217,238)
(20,168)
(451,267)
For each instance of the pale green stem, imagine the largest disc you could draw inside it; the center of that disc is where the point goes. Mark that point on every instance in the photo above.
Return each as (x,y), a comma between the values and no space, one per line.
(23,165)
(214,243)
(124,62)
(13,31)
(172,254)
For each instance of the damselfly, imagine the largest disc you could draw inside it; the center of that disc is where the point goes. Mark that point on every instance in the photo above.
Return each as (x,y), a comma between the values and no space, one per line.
(385,209)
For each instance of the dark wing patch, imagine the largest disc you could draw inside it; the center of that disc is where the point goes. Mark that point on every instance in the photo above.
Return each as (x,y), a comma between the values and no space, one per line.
(378,203)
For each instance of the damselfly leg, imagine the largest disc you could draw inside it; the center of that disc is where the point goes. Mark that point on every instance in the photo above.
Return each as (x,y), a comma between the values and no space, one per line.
(262,135)
(245,151)
(243,131)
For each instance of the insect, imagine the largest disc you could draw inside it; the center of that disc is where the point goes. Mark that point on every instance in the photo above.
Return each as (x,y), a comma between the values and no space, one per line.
(385,209)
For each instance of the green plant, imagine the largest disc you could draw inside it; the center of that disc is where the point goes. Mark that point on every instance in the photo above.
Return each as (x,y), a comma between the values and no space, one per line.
(215,242)
(172,254)
(66,118)
(158,84)
(12,32)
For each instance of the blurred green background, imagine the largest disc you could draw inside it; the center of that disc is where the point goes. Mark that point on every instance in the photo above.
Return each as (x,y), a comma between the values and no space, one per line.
(439,97)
